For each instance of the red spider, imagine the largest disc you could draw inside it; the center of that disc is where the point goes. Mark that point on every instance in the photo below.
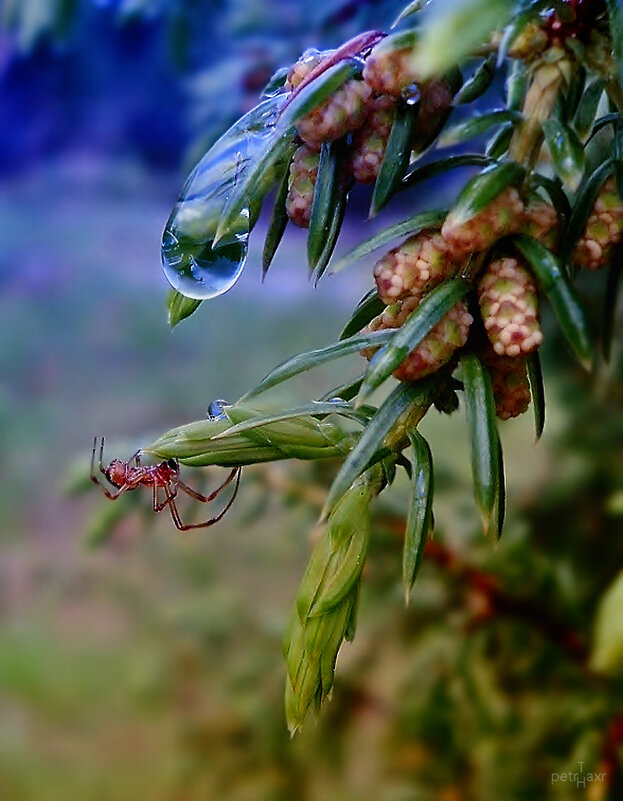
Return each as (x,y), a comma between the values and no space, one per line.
(130,475)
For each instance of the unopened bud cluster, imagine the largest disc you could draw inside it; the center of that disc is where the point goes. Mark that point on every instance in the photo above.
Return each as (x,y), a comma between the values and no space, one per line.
(364,110)
(502,217)
(540,221)
(603,231)
(509,380)
(437,347)
(470,242)
(369,142)
(507,293)
(301,185)
(509,307)
(414,268)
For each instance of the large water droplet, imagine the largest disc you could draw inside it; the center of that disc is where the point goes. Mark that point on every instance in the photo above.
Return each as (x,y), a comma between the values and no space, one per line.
(202,272)
(190,263)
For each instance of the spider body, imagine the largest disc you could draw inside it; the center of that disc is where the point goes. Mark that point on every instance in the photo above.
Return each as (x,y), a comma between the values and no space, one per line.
(164,480)
(120,473)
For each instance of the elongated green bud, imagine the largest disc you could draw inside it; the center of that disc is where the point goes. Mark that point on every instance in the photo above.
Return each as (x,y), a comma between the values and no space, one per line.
(552,74)
(298,438)
(324,610)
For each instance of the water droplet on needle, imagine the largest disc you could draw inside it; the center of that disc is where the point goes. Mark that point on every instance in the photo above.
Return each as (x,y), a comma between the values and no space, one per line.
(201,271)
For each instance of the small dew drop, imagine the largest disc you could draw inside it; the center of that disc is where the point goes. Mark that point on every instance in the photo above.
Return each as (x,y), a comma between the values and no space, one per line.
(412,94)
(216,410)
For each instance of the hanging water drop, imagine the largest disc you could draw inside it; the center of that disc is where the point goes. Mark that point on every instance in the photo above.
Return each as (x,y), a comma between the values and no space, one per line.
(191,264)
(201,271)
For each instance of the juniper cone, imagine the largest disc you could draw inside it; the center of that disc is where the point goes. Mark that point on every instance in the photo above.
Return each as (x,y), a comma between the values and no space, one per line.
(603,231)
(342,113)
(509,307)
(437,347)
(301,184)
(435,98)
(389,71)
(502,217)
(509,380)
(369,142)
(541,222)
(414,268)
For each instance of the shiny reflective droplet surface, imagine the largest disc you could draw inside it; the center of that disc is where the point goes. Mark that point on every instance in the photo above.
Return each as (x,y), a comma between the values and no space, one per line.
(202,272)
(216,409)
(412,94)
(191,265)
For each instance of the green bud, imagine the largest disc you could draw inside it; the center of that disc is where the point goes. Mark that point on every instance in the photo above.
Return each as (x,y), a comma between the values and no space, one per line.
(324,608)
(199,445)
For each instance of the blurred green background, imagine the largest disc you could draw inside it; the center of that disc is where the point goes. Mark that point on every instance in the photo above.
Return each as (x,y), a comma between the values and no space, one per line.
(150,666)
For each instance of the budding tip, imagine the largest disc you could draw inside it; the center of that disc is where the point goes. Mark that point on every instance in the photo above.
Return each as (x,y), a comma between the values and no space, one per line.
(486,525)
(364,393)
(587,364)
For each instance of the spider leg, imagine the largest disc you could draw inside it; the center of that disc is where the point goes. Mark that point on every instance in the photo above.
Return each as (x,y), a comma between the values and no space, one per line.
(111,495)
(93,458)
(207,498)
(187,526)
(94,477)
(157,505)
(101,465)
(136,458)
